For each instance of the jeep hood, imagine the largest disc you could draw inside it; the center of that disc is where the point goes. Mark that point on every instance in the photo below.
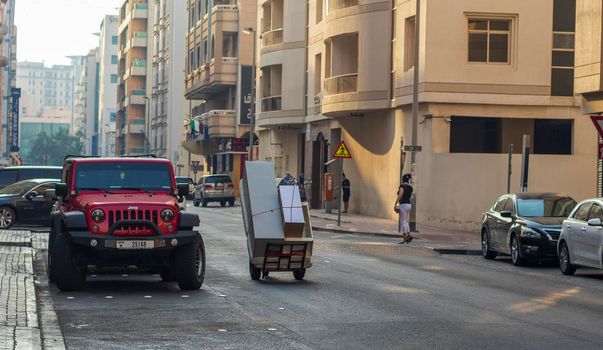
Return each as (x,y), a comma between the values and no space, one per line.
(119,199)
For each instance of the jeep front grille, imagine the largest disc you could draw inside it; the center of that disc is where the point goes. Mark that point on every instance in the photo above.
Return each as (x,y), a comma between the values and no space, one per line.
(133,230)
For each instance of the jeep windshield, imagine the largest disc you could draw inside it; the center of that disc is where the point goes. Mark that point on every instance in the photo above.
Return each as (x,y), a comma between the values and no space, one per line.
(134,176)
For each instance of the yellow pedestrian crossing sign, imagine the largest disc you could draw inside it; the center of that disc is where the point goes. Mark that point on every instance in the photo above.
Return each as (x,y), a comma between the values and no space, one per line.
(342,151)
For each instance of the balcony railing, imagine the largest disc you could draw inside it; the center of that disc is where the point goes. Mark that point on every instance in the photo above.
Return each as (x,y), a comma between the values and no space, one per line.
(139,92)
(271,103)
(141,6)
(142,35)
(140,62)
(272,37)
(341,84)
(334,5)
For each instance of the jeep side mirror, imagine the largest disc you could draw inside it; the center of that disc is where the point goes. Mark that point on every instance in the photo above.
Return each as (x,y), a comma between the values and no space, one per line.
(61,190)
(182,189)
(50,195)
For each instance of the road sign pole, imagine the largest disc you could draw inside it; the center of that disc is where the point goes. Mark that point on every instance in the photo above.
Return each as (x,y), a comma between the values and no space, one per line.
(339,196)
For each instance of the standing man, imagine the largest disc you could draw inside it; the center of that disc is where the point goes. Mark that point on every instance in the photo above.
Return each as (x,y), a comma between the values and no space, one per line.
(345,186)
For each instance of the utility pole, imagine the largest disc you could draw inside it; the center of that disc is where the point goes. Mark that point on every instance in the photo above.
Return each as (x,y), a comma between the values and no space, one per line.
(415,115)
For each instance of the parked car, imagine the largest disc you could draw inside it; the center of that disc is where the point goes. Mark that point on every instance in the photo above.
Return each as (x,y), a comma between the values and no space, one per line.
(24,203)
(189,181)
(581,240)
(524,225)
(10,175)
(214,188)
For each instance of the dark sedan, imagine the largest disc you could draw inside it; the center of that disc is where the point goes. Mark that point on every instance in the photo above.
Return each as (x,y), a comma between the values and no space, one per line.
(24,203)
(524,225)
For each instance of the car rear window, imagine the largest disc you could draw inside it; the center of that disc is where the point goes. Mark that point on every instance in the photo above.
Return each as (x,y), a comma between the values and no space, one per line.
(217,179)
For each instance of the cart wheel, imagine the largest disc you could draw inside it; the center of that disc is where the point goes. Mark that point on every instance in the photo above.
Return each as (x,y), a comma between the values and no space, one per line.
(254,272)
(299,274)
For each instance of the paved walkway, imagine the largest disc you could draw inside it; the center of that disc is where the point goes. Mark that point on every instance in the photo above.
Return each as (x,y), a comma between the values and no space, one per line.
(442,240)
(19,318)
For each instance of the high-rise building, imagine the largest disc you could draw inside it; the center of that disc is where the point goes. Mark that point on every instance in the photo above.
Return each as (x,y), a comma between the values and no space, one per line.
(219,68)
(483,84)
(107,86)
(168,52)
(131,137)
(86,114)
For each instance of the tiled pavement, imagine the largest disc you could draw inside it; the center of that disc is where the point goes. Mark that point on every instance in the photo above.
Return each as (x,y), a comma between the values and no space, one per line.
(19,324)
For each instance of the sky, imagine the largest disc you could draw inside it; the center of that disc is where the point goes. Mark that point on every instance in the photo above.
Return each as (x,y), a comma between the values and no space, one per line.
(50,30)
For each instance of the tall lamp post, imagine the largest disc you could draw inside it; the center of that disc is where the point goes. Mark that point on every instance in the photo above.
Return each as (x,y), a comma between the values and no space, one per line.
(249,30)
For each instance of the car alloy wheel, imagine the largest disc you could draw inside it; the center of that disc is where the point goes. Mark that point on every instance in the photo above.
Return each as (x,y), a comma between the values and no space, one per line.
(564,261)
(516,257)
(7,218)
(198,261)
(486,252)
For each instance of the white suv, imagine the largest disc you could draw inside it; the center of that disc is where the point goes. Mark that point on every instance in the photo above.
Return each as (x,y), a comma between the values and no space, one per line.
(214,188)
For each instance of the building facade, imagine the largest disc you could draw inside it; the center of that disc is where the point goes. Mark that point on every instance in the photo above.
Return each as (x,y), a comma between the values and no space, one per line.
(107,86)
(218,79)
(167,106)
(86,114)
(483,84)
(51,121)
(132,99)
(8,74)
(43,87)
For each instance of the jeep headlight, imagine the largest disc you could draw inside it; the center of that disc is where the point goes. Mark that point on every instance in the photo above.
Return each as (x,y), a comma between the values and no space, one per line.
(167,215)
(527,232)
(98,215)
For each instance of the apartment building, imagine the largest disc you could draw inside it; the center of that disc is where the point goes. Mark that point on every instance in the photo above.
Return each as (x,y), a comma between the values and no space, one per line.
(107,86)
(168,51)
(490,72)
(219,67)
(44,87)
(86,113)
(132,100)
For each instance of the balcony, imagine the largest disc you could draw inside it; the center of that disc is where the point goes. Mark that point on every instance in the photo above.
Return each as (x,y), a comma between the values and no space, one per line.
(334,5)
(272,37)
(139,39)
(271,103)
(221,123)
(341,84)
(137,97)
(136,151)
(212,78)
(136,126)
(141,11)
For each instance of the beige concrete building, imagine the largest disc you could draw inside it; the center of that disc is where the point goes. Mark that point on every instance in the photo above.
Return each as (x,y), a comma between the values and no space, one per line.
(490,72)
(218,82)
(132,78)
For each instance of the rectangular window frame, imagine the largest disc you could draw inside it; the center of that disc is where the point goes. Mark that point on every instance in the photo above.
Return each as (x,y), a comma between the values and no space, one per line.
(511,41)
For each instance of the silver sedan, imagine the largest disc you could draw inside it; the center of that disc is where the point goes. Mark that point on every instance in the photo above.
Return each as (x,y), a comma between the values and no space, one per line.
(581,240)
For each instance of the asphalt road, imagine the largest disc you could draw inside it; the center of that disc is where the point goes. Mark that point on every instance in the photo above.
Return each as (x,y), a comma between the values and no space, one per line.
(362,293)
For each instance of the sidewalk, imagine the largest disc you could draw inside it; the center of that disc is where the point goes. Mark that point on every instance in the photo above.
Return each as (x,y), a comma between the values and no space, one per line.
(20,326)
(443,241)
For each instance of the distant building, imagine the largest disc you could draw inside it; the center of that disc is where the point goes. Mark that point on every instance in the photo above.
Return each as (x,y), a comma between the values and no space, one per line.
(131,137)
(86,121)
(43,87)
(50,121)
(107,86)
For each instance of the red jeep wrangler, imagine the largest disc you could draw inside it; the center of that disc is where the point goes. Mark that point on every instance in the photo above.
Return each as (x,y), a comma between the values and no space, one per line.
(122,212)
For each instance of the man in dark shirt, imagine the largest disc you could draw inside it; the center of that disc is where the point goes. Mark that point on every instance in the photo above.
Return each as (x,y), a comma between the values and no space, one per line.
(345,186)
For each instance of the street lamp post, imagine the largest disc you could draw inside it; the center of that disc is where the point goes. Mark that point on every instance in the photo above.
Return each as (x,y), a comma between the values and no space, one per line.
(249,30)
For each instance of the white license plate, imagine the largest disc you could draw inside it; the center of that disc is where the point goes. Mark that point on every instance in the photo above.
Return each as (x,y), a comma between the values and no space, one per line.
(135,244)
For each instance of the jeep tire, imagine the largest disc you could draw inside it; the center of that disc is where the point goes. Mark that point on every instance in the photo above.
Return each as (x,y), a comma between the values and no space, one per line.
(68,275)
(50,270)
(189,264)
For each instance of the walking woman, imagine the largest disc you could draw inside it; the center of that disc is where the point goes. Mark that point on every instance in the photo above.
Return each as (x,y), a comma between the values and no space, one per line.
(403,206)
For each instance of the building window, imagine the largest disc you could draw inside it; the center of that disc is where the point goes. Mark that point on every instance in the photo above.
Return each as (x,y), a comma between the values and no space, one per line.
(489,40)
(317,74)
(229,44)
(552,136)
(114,39)
(113,59)
(494,135)
(564,26)
(113,78)
(409,43)
(319,10)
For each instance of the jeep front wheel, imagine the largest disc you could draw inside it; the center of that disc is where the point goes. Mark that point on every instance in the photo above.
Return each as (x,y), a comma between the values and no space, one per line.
(68,275)
(189,263)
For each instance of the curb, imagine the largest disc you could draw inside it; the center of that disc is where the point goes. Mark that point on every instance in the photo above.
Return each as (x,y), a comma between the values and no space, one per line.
(447,251)
(16,244)
(334,230)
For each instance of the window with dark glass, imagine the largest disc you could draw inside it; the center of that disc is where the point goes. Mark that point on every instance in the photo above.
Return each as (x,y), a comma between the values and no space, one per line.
(489,40)
(475,135)
(564,27)
(552,136)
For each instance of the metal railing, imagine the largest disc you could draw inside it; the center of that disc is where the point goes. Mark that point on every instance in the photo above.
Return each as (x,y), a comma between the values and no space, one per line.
(139,92)
(141,6)
(140,62)
(271,103)
(141,35)
(341,84)
(334,5)
(272,37)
